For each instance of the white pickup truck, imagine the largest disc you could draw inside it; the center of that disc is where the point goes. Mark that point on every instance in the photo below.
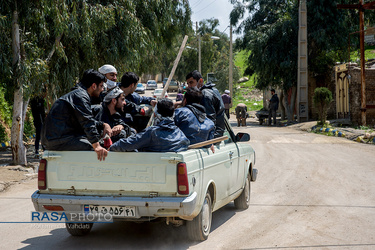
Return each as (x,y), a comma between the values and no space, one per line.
(182,188)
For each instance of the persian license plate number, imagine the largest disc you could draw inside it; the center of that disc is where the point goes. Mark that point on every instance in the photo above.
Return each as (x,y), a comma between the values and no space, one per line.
(117,211)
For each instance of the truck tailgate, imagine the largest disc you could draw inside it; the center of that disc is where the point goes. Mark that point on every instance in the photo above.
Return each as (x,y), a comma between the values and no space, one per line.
(79,172)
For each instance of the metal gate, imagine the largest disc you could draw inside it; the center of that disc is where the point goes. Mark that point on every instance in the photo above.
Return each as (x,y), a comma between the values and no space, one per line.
(342,91)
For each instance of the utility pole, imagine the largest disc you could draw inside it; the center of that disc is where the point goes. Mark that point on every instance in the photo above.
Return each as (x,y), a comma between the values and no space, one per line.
(199,49)
(302,80)
(230,64)
(361,7)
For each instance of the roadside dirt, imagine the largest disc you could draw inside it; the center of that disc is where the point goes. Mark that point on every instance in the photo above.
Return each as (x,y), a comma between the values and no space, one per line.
(12,174)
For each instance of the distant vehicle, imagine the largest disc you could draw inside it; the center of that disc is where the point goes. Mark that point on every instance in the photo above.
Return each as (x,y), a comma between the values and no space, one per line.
(157,93)
(140,89)
(151,84)
(173,85)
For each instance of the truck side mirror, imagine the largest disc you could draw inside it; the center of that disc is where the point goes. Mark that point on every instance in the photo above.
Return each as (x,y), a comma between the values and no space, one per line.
(241,137)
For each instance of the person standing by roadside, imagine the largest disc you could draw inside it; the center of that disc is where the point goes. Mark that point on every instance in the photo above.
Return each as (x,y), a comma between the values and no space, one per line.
(179,96)
(241,114)
(39,114)
(227,100)
(273,106)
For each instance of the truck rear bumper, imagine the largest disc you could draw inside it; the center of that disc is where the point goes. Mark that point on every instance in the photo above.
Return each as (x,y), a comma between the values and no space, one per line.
(182,207)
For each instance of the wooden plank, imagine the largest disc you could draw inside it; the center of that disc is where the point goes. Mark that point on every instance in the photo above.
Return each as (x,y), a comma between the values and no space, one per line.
(171,74)
(369,6)
(348,6)
(209,142)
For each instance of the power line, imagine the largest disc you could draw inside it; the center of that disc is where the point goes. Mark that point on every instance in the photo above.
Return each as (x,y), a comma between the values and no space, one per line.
(205,7)
(197,3)
(225,29)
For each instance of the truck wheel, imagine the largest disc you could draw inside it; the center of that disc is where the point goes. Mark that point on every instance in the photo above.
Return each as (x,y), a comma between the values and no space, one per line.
(78,229)
(199,228)
(243,201)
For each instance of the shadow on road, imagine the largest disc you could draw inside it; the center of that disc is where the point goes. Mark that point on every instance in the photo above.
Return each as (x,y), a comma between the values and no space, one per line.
(146,235)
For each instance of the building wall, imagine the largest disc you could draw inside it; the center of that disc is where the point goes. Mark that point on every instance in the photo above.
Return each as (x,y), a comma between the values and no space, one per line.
(355,95)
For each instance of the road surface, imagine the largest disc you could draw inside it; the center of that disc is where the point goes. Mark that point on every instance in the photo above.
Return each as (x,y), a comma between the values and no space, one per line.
(312,192)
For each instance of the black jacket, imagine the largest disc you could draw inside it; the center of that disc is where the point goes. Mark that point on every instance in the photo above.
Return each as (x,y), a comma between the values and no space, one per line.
(274,102)
(38,111)
(214,105)
(70,116)
(102,113)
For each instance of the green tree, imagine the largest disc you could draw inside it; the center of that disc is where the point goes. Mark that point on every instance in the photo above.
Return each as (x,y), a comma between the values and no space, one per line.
(55,41)
(322,98)
(270,32)
(215,54)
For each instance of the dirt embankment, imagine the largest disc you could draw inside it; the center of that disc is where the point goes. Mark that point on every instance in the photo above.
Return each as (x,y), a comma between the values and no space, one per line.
(12,174)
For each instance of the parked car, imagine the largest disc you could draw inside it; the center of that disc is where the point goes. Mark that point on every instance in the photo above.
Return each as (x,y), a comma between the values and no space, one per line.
(157,93)
(140,89)
(173,85)
(151,84)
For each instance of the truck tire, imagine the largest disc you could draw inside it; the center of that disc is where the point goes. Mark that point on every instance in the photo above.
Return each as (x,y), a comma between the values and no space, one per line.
(78,229)
(243,201)
(199,228)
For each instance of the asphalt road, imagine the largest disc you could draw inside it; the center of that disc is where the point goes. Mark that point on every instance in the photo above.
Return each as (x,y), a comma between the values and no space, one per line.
(312,192)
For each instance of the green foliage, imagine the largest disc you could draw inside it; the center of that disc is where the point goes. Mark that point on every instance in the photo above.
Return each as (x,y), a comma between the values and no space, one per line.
(3,135)
(5,109)
(29,129)
(215,55)
(322,98)
(271,34)
(5,116)
(240,61)
(355,56)
(61,39)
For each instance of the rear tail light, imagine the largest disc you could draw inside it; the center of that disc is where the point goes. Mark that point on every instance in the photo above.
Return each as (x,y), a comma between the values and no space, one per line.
(182,179)
(42,174)
(53,207)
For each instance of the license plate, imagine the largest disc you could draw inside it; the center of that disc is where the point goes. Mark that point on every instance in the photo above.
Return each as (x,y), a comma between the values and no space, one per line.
(116,211)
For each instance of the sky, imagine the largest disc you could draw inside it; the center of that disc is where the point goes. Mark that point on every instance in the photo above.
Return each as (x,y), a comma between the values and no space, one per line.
(206,9)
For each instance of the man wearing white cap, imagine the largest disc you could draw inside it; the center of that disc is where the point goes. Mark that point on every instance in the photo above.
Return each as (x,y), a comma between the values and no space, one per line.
(227,100)
(110,73)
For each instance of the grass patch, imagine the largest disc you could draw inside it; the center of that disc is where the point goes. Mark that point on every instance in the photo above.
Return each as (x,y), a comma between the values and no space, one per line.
(240,59)
(242,91)
(355,55)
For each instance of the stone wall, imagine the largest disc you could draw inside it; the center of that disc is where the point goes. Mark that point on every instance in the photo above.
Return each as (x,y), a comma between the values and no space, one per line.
(355,95)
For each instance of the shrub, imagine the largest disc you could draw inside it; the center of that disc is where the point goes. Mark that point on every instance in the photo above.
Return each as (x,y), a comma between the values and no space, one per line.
(3,135)
(5,117)
(322,98)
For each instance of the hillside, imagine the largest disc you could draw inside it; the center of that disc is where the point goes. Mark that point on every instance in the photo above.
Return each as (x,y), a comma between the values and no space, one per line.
(245,92)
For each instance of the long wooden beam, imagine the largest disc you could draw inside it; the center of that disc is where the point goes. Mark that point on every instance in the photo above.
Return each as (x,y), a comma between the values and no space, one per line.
(209,142)
(171,74)
(369,6)
(348,6)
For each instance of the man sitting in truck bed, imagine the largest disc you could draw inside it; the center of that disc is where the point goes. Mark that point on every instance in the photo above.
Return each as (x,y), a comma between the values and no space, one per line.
(70,124)
(107,112)
(132,108)
(211,100)
(192,118)
(164,136)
